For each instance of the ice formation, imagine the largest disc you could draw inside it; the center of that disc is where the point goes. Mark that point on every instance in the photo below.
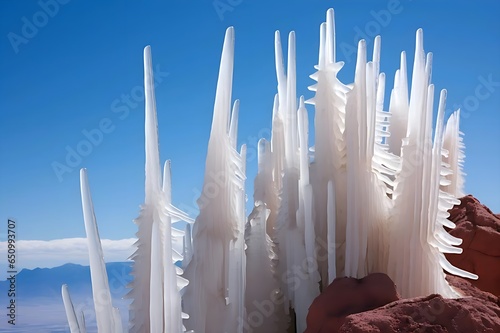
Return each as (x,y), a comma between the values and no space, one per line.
(107,317)
(217,268)
(156,300)
(372,195)
(75,325)
(155,290)
(417,235)
(453,156)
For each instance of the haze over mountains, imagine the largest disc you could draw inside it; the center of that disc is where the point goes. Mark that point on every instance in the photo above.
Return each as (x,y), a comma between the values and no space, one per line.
(38,296)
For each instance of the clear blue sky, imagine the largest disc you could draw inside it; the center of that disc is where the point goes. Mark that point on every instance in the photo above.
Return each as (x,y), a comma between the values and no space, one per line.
(72,73)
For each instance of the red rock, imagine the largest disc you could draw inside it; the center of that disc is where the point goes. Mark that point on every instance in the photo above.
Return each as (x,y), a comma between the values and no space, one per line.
(470,209)
(479,229)
(477,311)
(371,304)
(426,314)
(465,288)
(345,296)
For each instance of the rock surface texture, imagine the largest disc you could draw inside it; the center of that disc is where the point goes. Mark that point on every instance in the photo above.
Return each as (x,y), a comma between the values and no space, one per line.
(479,229)
(430,314)
(464,287)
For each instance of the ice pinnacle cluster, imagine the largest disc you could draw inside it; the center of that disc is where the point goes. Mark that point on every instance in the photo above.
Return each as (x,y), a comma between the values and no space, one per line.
(372,195)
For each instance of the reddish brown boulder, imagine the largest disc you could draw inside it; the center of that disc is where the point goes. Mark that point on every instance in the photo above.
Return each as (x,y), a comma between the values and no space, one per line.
(426,314)
(479,229)
(345,296)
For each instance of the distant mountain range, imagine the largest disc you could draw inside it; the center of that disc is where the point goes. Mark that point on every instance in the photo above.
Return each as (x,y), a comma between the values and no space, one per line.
(39,302)
(47,282)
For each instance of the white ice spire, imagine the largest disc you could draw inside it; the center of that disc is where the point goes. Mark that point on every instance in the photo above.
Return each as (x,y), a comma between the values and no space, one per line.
(398,108)
(417,237)
(294,229)
(107,319)
(140,293)
(453,153)
(74,326)
(156,305)
(368,168)
(330,148)
(172,281)
(262,283)
(215,295)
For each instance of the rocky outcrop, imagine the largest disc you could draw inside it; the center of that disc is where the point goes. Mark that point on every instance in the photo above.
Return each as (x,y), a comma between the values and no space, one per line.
(430,314)
(372,304)
(479,229)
